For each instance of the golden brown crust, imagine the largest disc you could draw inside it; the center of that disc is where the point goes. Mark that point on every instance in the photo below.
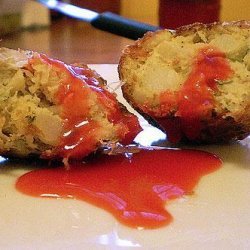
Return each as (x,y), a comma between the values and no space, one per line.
(186,30)
(220,130)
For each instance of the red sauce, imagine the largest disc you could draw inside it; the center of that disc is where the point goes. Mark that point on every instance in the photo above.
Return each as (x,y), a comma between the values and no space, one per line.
(78,92)
(135,190)
(195,100)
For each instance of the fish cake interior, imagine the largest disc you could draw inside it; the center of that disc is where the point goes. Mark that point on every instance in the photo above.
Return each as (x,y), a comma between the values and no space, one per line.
(55,110)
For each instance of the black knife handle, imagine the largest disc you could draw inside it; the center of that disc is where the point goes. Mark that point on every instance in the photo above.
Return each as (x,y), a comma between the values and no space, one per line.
(121,26)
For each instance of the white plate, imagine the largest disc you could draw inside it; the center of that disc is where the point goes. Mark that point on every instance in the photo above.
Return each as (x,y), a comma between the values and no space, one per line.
(217,217)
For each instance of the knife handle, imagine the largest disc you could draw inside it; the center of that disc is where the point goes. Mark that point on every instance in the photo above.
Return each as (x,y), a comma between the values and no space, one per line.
(121,26)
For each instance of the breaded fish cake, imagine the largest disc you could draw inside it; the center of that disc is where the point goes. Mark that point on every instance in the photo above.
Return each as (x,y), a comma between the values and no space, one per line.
(54,110)
(194,82)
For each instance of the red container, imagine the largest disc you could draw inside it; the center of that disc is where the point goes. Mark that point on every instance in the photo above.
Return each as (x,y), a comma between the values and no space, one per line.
(175,13)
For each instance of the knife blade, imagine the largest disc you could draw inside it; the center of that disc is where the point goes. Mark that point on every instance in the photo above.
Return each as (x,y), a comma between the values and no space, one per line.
(106,21)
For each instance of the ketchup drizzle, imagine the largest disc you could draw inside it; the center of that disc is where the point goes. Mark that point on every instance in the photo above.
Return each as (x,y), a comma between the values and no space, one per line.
(77,92)
(195,100)
(135,190)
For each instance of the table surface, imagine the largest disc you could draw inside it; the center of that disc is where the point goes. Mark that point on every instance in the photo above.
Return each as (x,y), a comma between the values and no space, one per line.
(70,41)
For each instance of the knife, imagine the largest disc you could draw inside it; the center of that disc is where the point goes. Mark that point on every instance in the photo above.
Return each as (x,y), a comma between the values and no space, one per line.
(106,21)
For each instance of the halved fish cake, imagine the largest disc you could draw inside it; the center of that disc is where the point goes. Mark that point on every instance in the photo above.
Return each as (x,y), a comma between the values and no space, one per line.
(55,110)
(194,82)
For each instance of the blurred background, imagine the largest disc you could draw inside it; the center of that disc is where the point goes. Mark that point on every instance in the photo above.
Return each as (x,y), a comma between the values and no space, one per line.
(27,24)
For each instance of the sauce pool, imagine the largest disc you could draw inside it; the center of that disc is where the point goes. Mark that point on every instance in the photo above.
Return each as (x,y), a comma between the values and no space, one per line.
(135,190)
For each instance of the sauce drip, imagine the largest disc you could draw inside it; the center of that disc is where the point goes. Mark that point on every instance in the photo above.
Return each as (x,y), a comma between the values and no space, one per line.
(195,100)
(134,189)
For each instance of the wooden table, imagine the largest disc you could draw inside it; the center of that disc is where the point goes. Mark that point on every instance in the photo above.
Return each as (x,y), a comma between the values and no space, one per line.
(70,41)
